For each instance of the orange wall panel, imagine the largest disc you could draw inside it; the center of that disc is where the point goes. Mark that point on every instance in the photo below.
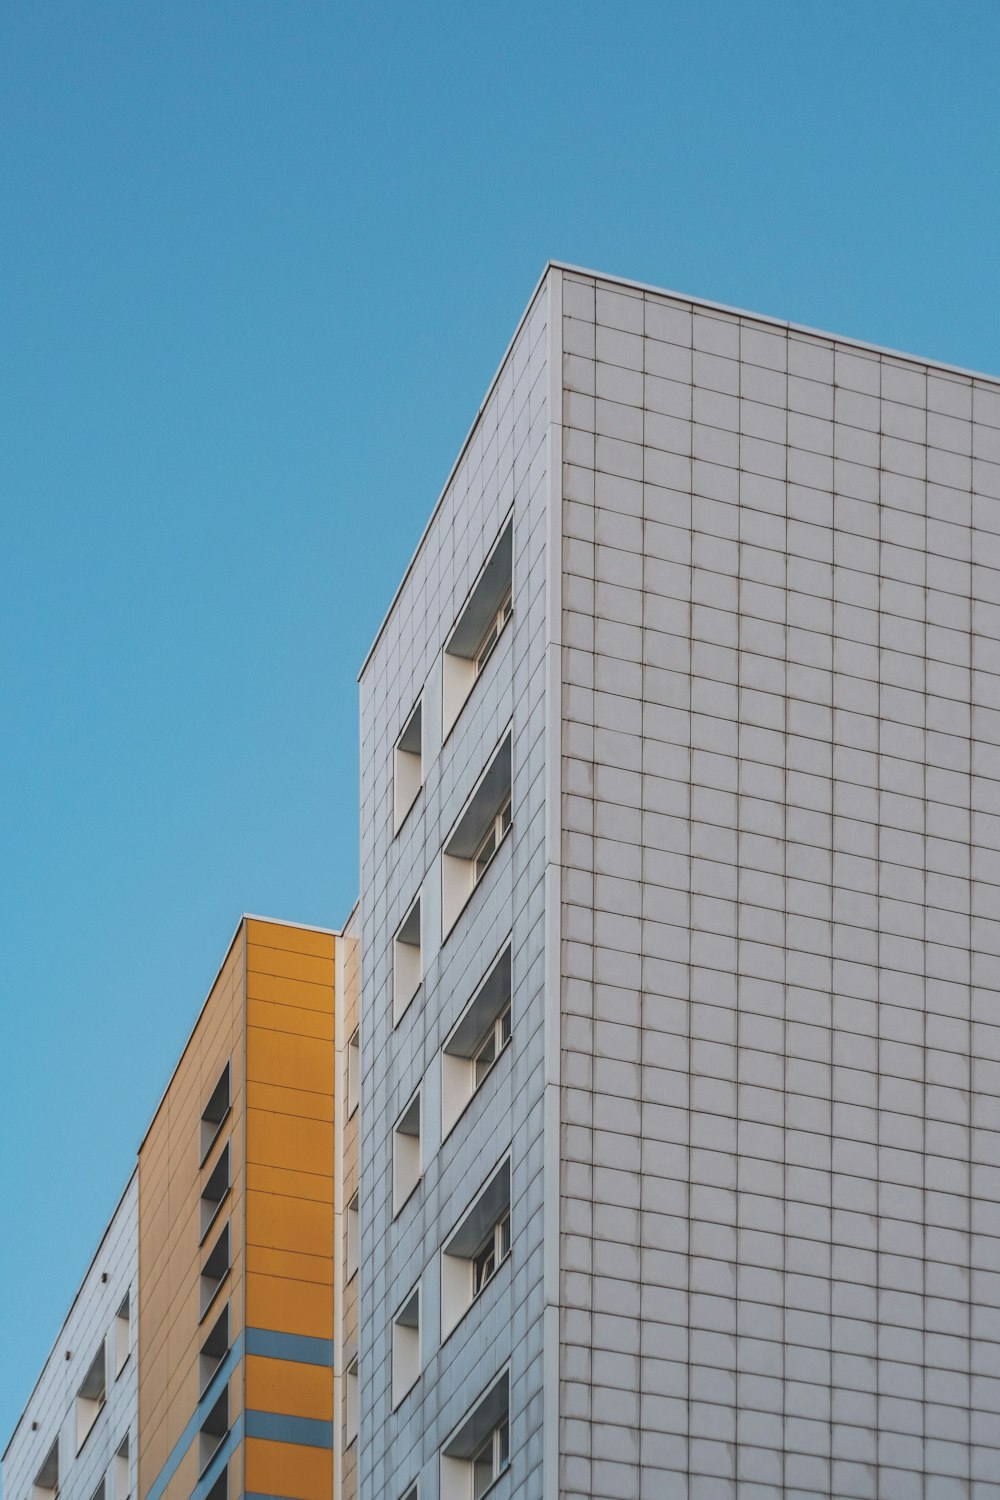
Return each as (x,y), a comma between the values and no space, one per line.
(288,1469)
(301,1144)
(289,1306)
(290,1101)
(284,1385)
(270,1016)
(296,939)
(291,1061)
(295,1184)
(290,1264)
(293,965)
(282,990)
(284,1223)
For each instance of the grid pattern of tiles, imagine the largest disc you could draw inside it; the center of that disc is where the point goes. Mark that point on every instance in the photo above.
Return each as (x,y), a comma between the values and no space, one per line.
(50,1413)
(346,1334)
(780,1238)
(502,468)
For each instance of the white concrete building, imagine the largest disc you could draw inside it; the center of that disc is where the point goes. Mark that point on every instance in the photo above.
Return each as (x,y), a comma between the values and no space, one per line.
(76,1438)
(680,896)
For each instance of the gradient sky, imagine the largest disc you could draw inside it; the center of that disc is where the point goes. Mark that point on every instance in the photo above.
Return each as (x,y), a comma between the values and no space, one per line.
(258,263)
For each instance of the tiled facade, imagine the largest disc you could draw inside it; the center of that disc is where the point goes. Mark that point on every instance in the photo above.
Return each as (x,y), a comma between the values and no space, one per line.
(753,678)
(219,1378)
(780,1236)
(347,1186)
(94,1444)
(503,466)
(639,1136)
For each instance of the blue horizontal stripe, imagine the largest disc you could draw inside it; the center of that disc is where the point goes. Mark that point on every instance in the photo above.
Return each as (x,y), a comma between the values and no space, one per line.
(276,1427)
(301,1347)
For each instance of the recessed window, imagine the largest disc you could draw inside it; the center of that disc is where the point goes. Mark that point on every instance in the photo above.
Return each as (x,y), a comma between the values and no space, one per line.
(491,1460)
(408,766)
(215,1270)
(101,1492)
(478,1452)
(353,1237)
(476,1249)
(351,1403)
(407,962)
(482,826)
(493,631)
(90,1397)
(482,621)
(123,1334)
(492,1047)
(406,1347)
(406,1162)
(215,1191)
(354,1072)
(213,1431)
(219,1488)
(412,1493)
(46,1485)
(491,842)
(491,1255)
(215,1112)
(122,1471)
(477,1041)
(214,1350)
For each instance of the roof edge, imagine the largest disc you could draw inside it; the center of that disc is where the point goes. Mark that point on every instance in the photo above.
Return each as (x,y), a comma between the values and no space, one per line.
(69,1311)
(567,268)
(786,324)
(550,265)
(244,918)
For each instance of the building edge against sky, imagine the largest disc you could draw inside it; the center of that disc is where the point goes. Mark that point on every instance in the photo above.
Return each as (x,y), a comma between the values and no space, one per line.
(198,1356)
(685,721)
(677,952)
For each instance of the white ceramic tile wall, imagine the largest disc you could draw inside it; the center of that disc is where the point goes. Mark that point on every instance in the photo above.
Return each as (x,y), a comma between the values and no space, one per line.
(502,467)
(780,1246)
(51,1408)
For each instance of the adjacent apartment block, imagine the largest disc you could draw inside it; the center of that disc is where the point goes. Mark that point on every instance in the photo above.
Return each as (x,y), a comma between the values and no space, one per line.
(198,1359)
(236,1235)
(680,928)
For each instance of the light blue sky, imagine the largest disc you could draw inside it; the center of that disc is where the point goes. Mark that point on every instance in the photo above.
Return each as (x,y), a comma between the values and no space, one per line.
(259,261)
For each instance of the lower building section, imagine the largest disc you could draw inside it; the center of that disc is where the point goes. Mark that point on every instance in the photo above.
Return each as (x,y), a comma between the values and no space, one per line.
(198,1360)
(236,1235)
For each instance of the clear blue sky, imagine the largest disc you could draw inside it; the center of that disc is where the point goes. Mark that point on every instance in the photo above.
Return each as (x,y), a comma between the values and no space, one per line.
(258,264)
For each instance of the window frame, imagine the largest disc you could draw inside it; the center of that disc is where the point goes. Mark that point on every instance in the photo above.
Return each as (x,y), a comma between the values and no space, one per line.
(486,818)
(461,1254)
(498,1444)
(211,1129)
(493,1246)
(91,1406)
(464,662)
(123,1333)
(416,1099)
(354,1073)
(487,1015)
(404,769)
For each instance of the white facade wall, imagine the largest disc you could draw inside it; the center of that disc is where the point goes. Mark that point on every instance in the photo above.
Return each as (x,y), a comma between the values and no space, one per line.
(503,466)
(754,885)
(780,1213)
(51,1410)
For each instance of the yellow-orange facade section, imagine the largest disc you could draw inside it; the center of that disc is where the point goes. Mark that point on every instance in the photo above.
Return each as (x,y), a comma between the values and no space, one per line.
(270,1017)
